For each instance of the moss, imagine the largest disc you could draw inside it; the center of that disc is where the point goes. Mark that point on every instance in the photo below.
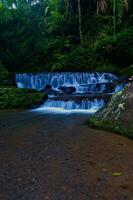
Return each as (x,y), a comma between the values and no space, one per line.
(12,97)
(110,126)
(116,116)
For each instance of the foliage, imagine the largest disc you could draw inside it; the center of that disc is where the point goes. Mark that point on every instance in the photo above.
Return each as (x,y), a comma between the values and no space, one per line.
(20,98)
(107,67)
(128,72)
(44,36)
(76,59)
(4,75)
(118,50)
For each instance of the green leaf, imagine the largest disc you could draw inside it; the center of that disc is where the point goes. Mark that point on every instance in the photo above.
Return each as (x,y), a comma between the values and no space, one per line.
(117,174)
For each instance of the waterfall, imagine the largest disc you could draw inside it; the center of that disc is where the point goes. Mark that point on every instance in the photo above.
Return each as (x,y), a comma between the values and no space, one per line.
(72,106)
(83,82)
(119,87)
(71,85)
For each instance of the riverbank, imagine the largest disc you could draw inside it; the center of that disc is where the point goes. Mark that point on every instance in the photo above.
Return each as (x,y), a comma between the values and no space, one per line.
(117,115)
(16,98)
(49,157)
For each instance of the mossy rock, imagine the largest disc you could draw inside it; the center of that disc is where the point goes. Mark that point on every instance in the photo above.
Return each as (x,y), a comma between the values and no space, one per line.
(117,115)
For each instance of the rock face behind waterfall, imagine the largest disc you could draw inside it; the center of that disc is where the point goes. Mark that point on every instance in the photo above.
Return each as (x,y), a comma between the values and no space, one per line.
(117,115)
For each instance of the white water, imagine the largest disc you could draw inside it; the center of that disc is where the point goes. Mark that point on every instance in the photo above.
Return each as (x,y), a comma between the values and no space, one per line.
(72,106)
(118,88)
(83,82)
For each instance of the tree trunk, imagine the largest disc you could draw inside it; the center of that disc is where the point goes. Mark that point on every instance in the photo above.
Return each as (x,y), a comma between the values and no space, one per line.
(114,17)
(80,22)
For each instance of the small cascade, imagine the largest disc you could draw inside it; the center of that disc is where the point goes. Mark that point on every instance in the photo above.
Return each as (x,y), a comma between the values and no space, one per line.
(119,87)
(65,88)
(72,106)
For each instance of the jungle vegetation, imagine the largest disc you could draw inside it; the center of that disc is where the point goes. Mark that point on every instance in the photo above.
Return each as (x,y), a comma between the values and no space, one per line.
(66,35)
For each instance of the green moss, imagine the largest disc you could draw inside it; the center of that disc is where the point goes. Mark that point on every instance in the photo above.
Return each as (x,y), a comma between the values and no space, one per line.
(114,127)
(20,98)
(113,116)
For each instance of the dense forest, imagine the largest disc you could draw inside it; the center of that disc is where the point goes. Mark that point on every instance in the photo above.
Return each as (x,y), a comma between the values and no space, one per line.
(66,35)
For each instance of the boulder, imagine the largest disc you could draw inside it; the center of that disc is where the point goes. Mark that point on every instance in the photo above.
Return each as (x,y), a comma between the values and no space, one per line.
(47,88)
(67,89)
(117,115)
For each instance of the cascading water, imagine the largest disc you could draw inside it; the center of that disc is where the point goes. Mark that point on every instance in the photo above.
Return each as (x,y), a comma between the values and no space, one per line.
(78,83)
(75,106)
(83,82)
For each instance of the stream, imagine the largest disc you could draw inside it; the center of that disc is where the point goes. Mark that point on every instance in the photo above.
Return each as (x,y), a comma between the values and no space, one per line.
(72,91)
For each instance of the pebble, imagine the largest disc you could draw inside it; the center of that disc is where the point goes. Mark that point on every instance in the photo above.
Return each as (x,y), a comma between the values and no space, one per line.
(19,179)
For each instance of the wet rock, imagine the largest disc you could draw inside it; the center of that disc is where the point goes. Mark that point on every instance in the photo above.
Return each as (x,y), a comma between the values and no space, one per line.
(67,89)
(48,87)
(49,90)
(106,87)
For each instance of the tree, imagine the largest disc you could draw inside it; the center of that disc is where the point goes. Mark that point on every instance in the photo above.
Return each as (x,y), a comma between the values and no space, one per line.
(80,22)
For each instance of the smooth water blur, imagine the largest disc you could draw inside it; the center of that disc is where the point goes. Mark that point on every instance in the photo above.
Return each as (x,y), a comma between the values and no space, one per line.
(83,82)
(76,83)
(71,106)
